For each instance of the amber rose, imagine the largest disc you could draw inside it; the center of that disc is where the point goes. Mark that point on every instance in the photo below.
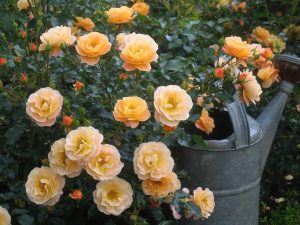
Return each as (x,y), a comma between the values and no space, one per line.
(85,23)
(251,89)
(24,4)
(152,160)
(106,164)
(141,8)
(114,196)
(83,143)
(163,187)
(205,122)
(260,34)
(55,38)
(91,46)
(44,186)
(238,48)
(60,163)
(268,75)
(138,51)
(276,43)
(205,200)
(5,218)
(131,111)
(172,105)
(120,15)
(44,106)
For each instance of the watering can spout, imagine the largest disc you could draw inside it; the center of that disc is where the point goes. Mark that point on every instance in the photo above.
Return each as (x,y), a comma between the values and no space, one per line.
(270,117)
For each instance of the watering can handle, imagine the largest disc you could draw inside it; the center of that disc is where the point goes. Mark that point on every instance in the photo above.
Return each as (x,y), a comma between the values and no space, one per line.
(238,116)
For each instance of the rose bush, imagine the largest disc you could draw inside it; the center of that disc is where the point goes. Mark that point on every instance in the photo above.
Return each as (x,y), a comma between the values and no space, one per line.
(108,87)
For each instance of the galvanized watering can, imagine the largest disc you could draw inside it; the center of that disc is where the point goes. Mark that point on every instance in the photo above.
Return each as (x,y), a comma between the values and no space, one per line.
(232,168)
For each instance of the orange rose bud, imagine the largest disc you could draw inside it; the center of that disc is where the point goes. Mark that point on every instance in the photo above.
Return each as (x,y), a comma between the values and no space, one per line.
(23,34)
(154,204)
(168,128)
(219,73)
(3,61)
(76,194)
(243,76)
(24,77)
(242,22)
(67,120)
(78,85)
(123,76)
(30,16)
(33,47)
(17,59)
(243,5)
(268,54)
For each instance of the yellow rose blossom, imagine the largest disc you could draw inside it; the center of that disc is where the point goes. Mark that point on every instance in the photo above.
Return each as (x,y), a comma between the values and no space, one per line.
(163,187)
(83,143)
(120,15)
(24,4)
(260,34)
(276,43)
(85,23)
(205,200)
(138,51)
(152,160)
(106,164)
(5,218)
(141,8)
(125,39)
(44,186)
(91,46)
(172,105)
(205,122)
(44,106)
(55,38)
(238,48)
(60,163)
(268,74)
(251,89)
(114,196)
(131,111)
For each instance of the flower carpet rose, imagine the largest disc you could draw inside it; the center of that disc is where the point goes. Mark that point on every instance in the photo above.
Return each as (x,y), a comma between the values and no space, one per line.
(113,196)
(205,200)
(120,15)
(131,111)
(5,218)
(60,163)
(268,74)
(260,34)
(205,122)
(85,23)
(44,186)
(24,4)
(55,38)
(106,164)
(83,143)
(251,89)
(161,188)
(91,46)
(152,160)
(44,106)
(141,8)
(172,105)
(238,48)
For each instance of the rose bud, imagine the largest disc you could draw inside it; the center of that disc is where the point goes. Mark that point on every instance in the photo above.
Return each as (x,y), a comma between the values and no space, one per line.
(33,47)
(24,77)
(3,61)
(78,85)
(23,34)
(123,76)
(17,59)
(219,73)
(67,120)
(76,194)
(268,54)
(168,128)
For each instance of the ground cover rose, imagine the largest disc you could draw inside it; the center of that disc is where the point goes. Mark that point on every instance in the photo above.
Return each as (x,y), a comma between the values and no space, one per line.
(131,111)
(268,74)
(44,106)
(114,196)
(24,4)
(5,218)
(205,200)
(85,23)
(172,105)
(260,34)
(106,164)
(60,163)
(55,38)
(44,186)
(83,143)
(141,8)
(120,15)
(152,160)
(205,122)
(92,46)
